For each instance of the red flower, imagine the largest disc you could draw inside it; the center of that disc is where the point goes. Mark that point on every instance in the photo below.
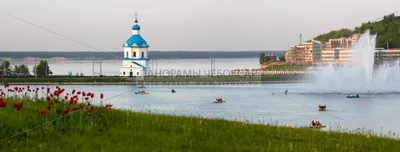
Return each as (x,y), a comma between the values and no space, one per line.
(66,111)
(86,98)
(4,125)
(90,110)
(48,98)
(42,112)
(51,103)
(81,106)
(18,105)
(48,107)
(88,103)
(55,100)
(66,97)
(108,106)
(6,85)
(78,92)
(83,93)
(90,115)
(73,91)
(101,95)
(2,103)
(92,95)
(76,109)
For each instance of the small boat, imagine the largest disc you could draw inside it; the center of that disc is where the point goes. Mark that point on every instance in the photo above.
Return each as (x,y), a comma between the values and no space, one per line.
(322,108)
(141,92)
(317,126)
(219,101)
(353,96)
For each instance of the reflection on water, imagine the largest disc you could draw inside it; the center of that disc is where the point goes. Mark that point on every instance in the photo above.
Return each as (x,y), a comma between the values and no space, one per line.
(257,104)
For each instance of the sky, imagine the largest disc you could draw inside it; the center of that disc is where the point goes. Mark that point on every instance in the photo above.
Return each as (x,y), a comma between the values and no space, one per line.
(185,25)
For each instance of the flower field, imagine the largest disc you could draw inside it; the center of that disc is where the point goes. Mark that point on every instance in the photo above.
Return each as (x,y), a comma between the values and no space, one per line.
(41,119)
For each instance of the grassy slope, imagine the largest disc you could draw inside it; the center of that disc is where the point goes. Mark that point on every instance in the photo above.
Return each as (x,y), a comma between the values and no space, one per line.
(118,130)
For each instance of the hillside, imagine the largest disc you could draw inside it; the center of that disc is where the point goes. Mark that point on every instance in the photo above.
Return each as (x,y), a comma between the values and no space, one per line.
(388,30)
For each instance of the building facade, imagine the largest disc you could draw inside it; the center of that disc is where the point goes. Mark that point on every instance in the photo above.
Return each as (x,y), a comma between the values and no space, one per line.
(135,61)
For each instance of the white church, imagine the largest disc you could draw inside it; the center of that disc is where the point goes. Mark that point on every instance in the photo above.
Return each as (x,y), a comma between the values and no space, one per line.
(135,62)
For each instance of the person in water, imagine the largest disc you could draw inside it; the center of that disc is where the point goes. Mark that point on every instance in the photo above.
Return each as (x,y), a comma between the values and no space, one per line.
(357,96)
(286,92)
(173,91)
(313,123)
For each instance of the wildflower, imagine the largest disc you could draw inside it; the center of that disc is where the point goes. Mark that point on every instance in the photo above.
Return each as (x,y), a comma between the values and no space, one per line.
(88,103)
(76,109)
(66,111)
(4,125)
(90,110)
(52,103)
(92,95)
(2,103)
(90,115)
(42,112)
(48,107)
(48,98)
(73,91)
(83,93)
(101,95)
(6,85)
(66,97)
(86,98)
(81,106)
(108,106)
(78,93)
(18,105)
(55,101)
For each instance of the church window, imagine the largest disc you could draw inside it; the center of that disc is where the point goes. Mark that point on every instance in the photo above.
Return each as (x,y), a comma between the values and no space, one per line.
(142,54)
(126,54)
(134,54)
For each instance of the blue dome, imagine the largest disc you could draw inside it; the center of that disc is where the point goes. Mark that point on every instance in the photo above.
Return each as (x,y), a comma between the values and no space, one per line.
(138,40)
(136,27)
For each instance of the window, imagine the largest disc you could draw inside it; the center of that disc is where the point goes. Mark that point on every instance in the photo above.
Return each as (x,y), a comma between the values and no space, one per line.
(127,54)
(137,73)
(134,54)
(142,54)
(123,73)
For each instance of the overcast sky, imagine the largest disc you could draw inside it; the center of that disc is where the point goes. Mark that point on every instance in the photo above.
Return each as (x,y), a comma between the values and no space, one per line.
(201,25)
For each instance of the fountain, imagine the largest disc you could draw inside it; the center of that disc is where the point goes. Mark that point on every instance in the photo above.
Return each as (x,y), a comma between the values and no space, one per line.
(360,76)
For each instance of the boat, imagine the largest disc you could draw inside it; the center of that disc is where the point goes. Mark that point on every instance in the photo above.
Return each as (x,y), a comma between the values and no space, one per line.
(137,92)
(317,126)
(322,108)
(219,102)
(141,86)
(353,96)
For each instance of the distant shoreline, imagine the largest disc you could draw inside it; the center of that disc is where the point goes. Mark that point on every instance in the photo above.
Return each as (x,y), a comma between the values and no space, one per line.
(118,55)
(158,83)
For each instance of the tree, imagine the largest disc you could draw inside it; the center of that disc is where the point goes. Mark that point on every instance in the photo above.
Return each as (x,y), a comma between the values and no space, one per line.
(262,58)
(21,69)
(42,69)
(282,58)
(5,67)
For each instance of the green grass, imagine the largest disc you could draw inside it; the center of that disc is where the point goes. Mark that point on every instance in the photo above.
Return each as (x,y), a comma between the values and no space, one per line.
(65,79)
(287,67)
(121,130)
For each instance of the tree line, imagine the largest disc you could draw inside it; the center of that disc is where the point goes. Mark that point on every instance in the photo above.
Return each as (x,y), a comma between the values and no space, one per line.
(41,69)
(388,30)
